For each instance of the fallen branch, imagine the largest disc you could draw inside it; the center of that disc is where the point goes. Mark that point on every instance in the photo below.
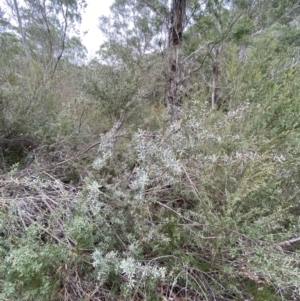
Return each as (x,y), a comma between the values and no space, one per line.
(288,242)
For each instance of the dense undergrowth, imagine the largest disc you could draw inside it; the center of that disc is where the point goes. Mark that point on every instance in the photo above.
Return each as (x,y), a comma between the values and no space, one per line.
(206,208)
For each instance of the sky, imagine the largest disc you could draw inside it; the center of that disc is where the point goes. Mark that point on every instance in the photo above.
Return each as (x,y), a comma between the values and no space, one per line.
(93,39)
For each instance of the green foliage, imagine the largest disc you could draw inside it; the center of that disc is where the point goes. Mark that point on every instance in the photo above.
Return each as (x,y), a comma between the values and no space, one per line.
(111,89)
(48,25)
(140,38)
(29,269)
(223,196)
(112,202)
(269,79)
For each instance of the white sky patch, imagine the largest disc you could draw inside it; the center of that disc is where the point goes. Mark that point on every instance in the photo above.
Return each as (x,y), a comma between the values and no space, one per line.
(90,20)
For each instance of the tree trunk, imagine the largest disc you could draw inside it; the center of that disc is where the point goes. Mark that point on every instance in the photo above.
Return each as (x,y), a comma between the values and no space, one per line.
(173,75)
(25,45)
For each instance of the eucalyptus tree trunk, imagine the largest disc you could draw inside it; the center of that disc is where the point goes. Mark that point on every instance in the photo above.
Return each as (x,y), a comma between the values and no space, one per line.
(25,45)
(177,17)
(216,64)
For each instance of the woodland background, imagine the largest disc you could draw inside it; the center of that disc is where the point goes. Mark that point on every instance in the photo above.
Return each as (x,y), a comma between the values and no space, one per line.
(166,168)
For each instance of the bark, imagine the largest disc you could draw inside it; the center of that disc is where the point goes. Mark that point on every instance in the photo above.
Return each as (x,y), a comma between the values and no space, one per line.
(216,72)
(114,134)
(177,22)
(175,40)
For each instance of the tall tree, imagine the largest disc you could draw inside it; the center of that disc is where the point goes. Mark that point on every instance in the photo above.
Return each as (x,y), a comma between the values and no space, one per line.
(134,37)
(25,45)
(132,26)
(46,26)
(176,27)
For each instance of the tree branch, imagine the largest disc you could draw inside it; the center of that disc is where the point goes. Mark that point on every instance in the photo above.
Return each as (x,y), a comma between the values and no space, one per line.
(288,242)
